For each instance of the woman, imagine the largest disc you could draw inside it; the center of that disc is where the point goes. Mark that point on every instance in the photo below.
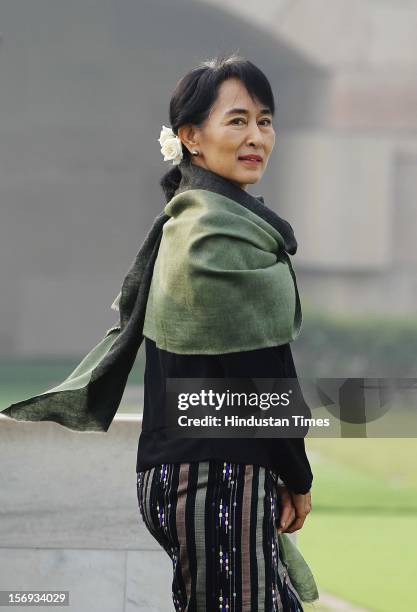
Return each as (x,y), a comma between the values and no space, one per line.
(213,293)
(213,504)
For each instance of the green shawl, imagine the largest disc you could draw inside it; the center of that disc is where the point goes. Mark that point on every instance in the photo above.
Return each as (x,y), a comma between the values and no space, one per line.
(212,276)
(222,281)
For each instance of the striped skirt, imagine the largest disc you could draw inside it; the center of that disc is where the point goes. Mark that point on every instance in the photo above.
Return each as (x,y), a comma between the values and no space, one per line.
(217,521)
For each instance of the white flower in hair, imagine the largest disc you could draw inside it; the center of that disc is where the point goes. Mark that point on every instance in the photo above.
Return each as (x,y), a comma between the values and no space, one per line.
(171,147)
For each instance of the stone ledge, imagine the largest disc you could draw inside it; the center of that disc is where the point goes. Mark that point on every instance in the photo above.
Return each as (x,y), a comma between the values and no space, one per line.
(66,489)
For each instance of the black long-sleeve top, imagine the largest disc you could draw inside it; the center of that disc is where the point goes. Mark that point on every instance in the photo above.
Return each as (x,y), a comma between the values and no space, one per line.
(285,455)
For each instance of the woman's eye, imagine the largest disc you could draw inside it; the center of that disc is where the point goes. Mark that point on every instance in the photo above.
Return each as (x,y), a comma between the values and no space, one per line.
(240,119)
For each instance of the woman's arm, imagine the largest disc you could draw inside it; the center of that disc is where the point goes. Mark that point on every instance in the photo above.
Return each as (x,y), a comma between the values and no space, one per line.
(288,454)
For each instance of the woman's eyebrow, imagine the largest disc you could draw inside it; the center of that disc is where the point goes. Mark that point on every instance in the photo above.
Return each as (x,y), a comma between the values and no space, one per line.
(233,111)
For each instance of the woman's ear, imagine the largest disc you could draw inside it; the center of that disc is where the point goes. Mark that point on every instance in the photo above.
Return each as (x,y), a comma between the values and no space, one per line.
(189,136)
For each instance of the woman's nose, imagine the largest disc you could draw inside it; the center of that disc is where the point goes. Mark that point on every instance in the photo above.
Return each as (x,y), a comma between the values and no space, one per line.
(255,136)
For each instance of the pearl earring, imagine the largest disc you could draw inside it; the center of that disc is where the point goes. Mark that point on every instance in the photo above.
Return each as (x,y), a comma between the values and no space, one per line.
(194,152)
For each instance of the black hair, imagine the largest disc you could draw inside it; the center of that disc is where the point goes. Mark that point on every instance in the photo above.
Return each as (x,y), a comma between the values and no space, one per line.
(196,92)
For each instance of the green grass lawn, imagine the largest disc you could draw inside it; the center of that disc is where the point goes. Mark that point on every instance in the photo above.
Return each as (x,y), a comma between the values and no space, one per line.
(361,537)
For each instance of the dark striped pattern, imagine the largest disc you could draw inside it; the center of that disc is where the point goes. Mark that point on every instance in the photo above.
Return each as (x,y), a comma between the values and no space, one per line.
(217,522)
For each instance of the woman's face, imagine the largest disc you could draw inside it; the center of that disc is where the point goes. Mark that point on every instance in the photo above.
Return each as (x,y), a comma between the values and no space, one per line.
(229,133)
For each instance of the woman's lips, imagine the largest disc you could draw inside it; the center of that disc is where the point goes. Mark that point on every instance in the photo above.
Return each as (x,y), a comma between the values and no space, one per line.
(250,162)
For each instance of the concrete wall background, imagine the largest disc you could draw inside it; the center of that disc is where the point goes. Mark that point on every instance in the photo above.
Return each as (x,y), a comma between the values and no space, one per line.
(84,92)
(69,518)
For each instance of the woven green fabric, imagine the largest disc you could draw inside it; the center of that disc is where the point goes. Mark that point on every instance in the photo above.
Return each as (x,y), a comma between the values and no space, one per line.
(299,572)
(222,281)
